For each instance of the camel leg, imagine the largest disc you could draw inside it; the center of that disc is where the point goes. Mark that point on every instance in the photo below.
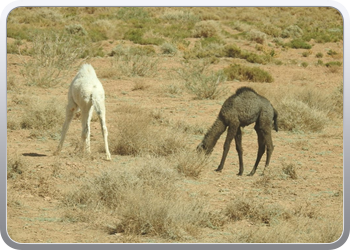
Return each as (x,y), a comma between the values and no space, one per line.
(86,113)
(269,149)
(238,140)
(70,110)
(261,150)
(102,118)
(231,133)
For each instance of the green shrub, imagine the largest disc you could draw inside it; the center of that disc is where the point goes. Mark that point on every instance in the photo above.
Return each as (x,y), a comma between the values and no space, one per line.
(332,52)
(204,86)
(137,36)
(243,73)
(129,13)
(319,63)
(205,29)
(292,31)
(324,36)
(121,50)
(305,54)
(235,52)
(76,29)
(319,55)
(334,64)
(304,64)
(298,44)
(205,48)
(168,48)
(136,65)
(179,16)
(134,35)
(257,36)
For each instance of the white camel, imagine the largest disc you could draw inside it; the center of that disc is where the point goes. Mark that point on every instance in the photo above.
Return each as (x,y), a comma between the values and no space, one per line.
(85,92)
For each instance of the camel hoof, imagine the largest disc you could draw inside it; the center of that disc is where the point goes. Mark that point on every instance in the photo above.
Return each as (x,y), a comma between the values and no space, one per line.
(218,170)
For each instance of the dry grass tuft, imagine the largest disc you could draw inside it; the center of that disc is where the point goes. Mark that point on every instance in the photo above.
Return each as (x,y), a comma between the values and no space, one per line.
(43,118)
(290,171)
(15,166)
(189,163)
(140,201)
(138,135)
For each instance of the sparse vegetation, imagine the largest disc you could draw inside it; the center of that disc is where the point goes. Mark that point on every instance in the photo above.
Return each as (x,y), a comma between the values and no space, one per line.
(244,73)
(137,136)
(298,44)
(53,56)
(204,86)
(166,72)
(44,118)
(147,202)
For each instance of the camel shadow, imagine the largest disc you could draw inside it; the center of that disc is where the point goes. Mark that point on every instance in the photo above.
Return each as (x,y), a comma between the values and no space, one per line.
(33,154)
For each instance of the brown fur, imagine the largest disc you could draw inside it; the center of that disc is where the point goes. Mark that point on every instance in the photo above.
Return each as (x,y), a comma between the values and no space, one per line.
(241,109)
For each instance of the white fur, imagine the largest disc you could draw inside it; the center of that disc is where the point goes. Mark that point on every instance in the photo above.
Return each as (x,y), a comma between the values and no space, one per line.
(85,92)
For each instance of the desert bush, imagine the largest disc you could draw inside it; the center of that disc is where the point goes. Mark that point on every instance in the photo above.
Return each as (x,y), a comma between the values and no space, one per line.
(333,64)
(244,73)
(43,118)
(256,212)
(137,135)
(140,85)
(15,165)
(189,163)
(136,65)
(138,36)
(319,55)
(235,52)
(297,115)
(289,170)
(241,26)
(298,44)
(334,67)
(337,98)
(206,48)
(331,52)
(307,108)
(204,86)
(324,36)
(179,16)
(304,64)
(132,13)
(121,50)
(319,63)
(271,30)
(11,83)
(145,200)
(257,36)
(305,54)
(52,58)
(205,29)
(292,31)
(76,29)
(168,48)
(297,230)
